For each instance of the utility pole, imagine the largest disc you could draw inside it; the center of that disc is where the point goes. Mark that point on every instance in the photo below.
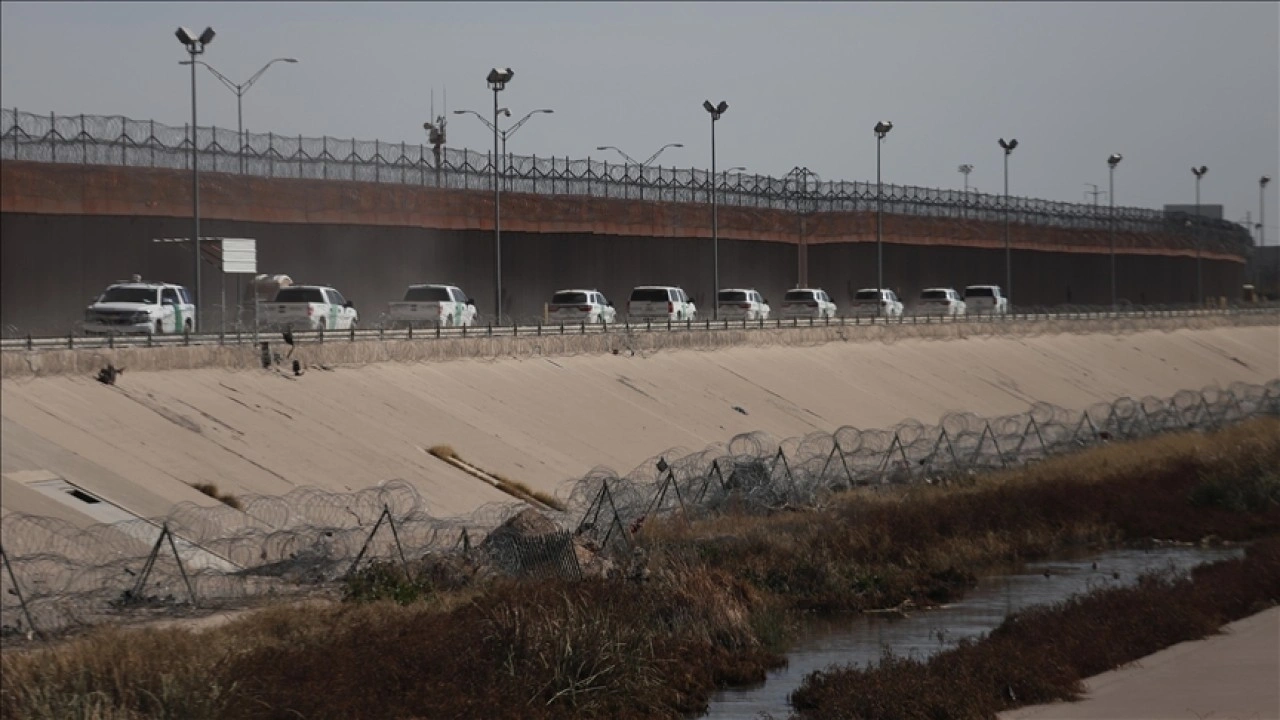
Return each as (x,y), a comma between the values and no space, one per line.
(1095,193)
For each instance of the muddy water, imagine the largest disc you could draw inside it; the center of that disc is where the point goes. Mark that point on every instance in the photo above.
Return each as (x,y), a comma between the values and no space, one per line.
(862,640)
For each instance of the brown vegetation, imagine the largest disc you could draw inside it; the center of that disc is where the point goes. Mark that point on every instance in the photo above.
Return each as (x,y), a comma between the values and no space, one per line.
(713,611)
(212,491)
(1044,654)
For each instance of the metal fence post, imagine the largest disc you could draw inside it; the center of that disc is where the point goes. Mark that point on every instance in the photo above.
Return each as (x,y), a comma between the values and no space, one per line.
(271,154)
(324,157)
(152,142)
(84,143)
(53,137)
(377,161)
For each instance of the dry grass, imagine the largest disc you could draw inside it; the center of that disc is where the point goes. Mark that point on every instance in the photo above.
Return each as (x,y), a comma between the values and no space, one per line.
(444,452)
(514,488)
(211,490)
(337,351)
(922,543)
(1043,654)
(713,611)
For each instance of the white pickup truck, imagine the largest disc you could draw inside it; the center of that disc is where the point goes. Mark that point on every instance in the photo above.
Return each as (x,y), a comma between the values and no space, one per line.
(309,307)
(444,305)
(138,307)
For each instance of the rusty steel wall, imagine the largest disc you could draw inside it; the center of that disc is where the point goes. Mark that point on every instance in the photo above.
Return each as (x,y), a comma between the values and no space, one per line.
(54,264)
(66,231)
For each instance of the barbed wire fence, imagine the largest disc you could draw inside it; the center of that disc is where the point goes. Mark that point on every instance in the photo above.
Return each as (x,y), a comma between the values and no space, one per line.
(120,141)
(58,576)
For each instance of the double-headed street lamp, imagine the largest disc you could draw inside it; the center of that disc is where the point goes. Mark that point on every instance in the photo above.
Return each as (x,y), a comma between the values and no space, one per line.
(1008,255)
(240,89)
(504,134)
(882,128)
(195,46)
(716,111)
(642,165)
(1112,162)
(1199,172)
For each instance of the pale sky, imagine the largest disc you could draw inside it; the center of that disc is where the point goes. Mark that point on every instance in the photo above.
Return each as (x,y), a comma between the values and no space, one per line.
(1168,85)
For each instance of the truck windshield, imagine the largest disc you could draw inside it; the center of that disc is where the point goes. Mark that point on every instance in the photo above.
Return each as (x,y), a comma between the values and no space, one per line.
(427,294)
(146,296)
(299,295)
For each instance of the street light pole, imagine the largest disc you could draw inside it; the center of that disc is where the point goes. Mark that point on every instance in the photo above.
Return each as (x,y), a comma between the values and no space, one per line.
(640,165)
(498,79)
(882,128)
(1199,172)
(1008,254)
(1112,162)
(716,111)
(240,89)
(1262,221)
(195,46)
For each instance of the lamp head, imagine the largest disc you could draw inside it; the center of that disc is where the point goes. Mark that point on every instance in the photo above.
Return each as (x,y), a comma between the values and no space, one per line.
(883,127)
(289,60)
(966,168)
(1115,159)
(206,37)
(1264,180)
(499,77)
(715,110)
(1199,171)
(184,36)
(1008,146)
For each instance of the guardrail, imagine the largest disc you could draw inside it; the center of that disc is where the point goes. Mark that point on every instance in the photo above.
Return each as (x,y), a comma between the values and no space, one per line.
(539,329)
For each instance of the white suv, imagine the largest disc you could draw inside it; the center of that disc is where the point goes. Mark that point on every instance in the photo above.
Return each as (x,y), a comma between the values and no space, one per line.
(660,302)
(986,299)
(138,307)
(869,301)
(742,304)
(941,301)
(807,303)
(580,306)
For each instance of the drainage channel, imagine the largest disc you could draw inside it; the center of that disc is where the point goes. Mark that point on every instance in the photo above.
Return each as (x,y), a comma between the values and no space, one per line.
(862,640)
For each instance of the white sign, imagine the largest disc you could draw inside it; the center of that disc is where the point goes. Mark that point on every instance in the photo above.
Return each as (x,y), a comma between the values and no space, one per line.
(239,255)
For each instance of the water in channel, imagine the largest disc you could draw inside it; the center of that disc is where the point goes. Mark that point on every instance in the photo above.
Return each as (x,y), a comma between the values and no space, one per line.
(862,639)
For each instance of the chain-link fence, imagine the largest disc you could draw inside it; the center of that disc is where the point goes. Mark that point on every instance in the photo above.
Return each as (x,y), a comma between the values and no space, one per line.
(58,575)
(108,140)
